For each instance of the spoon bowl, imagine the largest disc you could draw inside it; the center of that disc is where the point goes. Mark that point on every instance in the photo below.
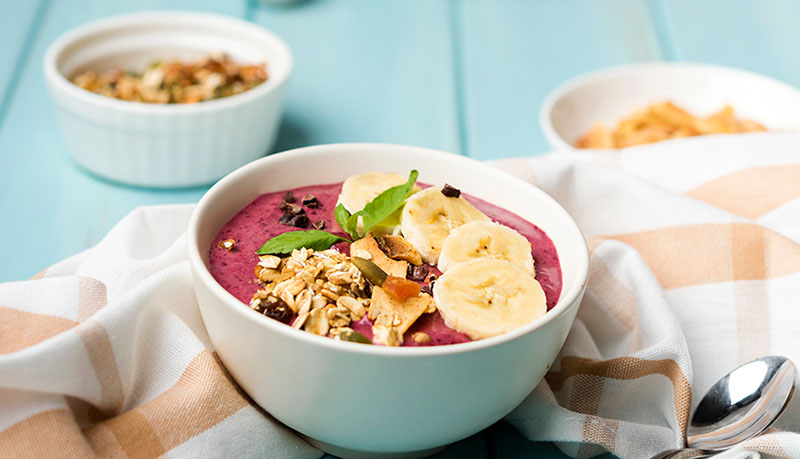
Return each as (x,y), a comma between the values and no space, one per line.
(742,404)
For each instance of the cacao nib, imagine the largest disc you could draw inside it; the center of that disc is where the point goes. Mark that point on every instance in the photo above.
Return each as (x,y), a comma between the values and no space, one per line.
(417,273)
(450,191)
(290,208)
(289,196)
(427,288)
(310,201)
(318,225)
(299,221)
(285,219)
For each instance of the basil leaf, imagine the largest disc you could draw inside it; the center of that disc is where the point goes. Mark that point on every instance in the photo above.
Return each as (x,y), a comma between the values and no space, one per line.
(352,225)
(287,242)
(385,203)
(342,216)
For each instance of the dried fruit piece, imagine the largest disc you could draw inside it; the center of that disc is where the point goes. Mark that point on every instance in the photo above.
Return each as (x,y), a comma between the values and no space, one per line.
(405,312)
(276,309)
(369,244)
(398,248)
(401,288)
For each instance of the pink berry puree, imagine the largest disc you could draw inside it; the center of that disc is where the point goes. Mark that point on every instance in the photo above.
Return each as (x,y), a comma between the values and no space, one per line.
(258,222)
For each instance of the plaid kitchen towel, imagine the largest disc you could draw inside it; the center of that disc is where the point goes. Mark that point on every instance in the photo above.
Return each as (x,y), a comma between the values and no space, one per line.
(695,266)
(695,269)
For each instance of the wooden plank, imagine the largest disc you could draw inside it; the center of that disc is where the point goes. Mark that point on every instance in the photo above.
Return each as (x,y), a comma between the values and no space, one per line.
(50,209)
(367,71)
(17,24)
(515,51)
(754,35)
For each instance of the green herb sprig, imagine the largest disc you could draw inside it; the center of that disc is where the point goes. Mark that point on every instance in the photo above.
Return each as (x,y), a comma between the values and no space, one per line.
(373,213)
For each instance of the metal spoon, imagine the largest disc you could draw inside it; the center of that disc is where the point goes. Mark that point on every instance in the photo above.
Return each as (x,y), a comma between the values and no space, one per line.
(739,406)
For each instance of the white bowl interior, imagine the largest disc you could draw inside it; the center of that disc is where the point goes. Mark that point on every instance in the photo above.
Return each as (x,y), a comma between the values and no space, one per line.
(134,41)
(608,95)
(334,163)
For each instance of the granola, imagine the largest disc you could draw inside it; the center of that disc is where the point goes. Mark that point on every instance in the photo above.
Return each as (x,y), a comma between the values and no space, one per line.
(175,82)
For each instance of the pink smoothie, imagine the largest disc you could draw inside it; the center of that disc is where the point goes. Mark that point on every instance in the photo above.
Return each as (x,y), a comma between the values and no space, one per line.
(258,222)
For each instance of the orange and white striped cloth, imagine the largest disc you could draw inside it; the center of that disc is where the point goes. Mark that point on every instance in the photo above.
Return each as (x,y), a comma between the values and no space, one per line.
(105,354)
(695,269)
(695,253)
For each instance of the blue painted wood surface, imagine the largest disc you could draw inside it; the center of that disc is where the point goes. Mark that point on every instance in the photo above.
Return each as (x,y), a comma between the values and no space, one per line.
(461,75)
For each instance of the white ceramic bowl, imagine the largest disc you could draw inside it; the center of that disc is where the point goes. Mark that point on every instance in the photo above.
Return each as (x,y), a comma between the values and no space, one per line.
(348,397)
(611,94)
(165,145)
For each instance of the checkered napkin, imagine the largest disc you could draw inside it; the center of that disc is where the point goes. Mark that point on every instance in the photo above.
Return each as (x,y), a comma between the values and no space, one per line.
(695,269)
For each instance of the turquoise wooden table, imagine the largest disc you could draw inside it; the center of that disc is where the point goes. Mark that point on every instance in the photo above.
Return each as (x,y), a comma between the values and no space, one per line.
(463,76)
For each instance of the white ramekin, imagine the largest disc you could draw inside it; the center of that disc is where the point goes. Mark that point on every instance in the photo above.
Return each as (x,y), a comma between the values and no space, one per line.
(354,400)
(166,145)
(608,95)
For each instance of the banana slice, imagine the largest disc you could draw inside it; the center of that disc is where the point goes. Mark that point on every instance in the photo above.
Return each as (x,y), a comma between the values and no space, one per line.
(486,239)
(486,297)
(429,216)
(360,189)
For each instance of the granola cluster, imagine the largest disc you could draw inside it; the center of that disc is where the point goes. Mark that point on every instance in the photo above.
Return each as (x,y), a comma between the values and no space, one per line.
(323,289)
(176,82)
(324,292)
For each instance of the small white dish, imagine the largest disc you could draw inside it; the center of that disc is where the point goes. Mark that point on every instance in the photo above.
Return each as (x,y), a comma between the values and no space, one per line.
(174,145)
(608,95)
(356,400)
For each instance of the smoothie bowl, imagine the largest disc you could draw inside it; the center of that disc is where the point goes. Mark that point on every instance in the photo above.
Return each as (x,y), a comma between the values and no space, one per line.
(384,299)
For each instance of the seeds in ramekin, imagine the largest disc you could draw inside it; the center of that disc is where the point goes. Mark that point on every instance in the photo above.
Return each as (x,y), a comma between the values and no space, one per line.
(174,82)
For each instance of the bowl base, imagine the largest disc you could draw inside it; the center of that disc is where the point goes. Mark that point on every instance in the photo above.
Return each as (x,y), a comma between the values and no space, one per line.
(346,453)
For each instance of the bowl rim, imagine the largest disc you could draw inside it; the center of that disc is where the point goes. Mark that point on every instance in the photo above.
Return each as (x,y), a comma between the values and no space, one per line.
(202,274)
(60,82)
(558,143)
